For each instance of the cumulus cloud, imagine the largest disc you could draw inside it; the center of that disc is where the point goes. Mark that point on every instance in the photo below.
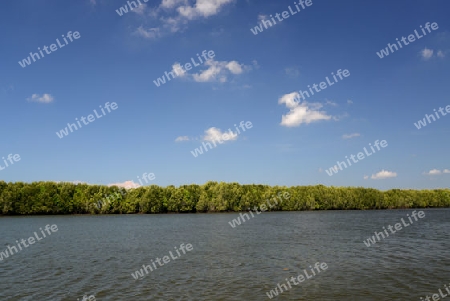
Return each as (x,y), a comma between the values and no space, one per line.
(149,33)
(366,177)
(384,174)
(126,185)
(436,172)
(45,98)
(218,71)
(202,8)
(172,3)
(215,134)
(178,70)
(301,112)
(173,15)
(349,136)
(426,53)
(440,54)
(140,10)
(182,138)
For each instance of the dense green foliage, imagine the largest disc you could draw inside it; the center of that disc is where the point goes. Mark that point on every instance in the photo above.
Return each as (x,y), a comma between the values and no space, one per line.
(68,198)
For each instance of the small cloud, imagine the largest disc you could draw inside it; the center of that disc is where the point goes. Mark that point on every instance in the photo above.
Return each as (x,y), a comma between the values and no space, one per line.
(202,8)
(349,136)
(320,170)
(426,53)
(262,17)
(178,70)
(301,112)
(441,54)
(174,15)
(292,71)
(140,10)
(171,3)
(384,174)
(366,177)
(436,172)
(182,138)
(215,134)
(126,185)
(150,33)
(349,101)
(93,2)
(219,71)
(78,182)
(45,98)
(331,103)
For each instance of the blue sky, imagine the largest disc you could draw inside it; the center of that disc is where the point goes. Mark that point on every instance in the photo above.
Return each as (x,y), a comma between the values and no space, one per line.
(117,58)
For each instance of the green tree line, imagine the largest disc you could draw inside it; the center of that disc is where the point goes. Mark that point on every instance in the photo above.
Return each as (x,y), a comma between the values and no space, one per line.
(67,198)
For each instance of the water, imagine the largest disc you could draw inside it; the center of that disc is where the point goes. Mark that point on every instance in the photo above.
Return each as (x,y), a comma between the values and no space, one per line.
(95,255)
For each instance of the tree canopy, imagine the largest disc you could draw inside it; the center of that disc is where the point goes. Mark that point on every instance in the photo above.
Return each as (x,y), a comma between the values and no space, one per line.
(67,198)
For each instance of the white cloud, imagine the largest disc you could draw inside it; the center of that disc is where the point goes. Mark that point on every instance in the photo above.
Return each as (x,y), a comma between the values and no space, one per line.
(262,17)
(366,177)
(292,71)
(150,33)
(172,3)
(441,54)
(126,184)
(426,53)
(178,70)
(182,138)
(173,24)
(349,101)
(219,71)
(202,8)
(331,103)
(78,182)
(45,98)
(349,136)
(215,134)
(140,10)
(436,172)
(384,174)
(301,112)
(174,15)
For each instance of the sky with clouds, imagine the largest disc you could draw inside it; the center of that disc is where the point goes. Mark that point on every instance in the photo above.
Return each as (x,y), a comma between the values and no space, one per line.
(172,97)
